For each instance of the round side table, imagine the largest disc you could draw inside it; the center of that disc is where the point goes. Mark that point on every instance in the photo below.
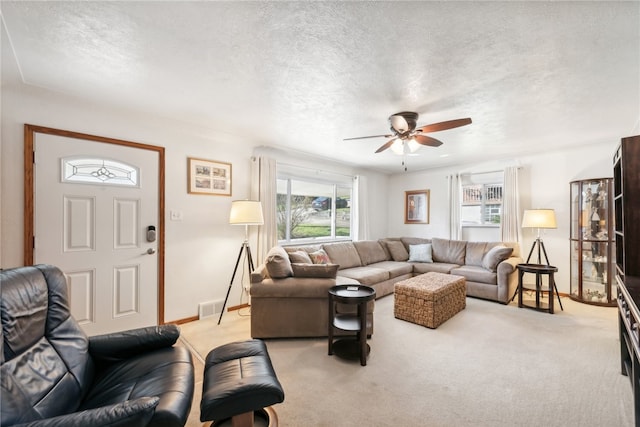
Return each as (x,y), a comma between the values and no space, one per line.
(358,295)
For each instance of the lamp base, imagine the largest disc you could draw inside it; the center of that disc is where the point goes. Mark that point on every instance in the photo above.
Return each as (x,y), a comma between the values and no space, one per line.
(540,244)
(245,246)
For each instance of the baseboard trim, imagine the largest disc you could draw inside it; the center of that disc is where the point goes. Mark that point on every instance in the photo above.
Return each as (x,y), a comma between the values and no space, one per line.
(238,307)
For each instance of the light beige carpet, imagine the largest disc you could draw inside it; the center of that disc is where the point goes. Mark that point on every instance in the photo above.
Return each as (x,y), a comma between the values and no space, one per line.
(490,365)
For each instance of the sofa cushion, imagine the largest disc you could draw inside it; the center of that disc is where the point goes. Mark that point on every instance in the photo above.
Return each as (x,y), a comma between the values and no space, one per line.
(475,253)
(476,274)
(420,253)
(370,251)
(343,253)
(413,241)
(394,268)
(277,263)
(397,250)
(366,275)
(320,257)
(300,257)
(327,271)
(449,251)
(495,256)
(438,267)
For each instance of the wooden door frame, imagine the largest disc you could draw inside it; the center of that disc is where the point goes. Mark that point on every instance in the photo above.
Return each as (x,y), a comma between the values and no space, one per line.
(29,194)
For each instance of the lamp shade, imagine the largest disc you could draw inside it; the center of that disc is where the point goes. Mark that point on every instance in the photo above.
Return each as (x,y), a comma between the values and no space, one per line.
(246,212)
(539,218)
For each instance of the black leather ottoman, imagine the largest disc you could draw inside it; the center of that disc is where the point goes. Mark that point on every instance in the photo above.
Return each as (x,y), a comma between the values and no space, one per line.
(238,380)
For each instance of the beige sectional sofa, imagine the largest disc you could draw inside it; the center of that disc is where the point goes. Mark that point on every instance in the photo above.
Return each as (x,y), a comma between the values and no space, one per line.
(289,292)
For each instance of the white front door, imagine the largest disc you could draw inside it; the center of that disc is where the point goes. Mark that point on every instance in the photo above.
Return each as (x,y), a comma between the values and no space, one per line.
(95,204)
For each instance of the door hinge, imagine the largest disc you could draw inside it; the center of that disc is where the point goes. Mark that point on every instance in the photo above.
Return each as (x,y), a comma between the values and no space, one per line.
(33,243)
(34,157)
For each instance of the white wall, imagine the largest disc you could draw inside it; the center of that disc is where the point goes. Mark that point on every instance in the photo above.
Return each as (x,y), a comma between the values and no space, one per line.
(201,250)
(544,183)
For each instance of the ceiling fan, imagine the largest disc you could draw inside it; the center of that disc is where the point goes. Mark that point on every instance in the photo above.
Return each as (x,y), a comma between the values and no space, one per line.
(406,135)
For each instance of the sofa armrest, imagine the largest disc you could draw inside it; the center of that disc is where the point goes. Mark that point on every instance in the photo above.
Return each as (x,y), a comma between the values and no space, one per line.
(507,278)
(131,413)
(259,274)
(123,345)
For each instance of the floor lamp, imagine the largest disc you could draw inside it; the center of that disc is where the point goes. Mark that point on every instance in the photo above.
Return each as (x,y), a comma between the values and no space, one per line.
(243,212)
(539,218)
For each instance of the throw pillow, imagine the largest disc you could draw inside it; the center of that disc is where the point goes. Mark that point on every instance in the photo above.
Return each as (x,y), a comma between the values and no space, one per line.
(495,256)
(277,263)
(420,253)
(301,257)
(322,271)
(397,250)
(320,257)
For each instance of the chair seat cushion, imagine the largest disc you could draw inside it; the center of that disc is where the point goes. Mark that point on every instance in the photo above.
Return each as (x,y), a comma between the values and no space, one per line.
(165,373)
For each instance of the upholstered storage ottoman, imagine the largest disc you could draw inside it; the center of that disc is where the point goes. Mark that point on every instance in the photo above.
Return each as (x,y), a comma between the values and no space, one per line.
(429,299)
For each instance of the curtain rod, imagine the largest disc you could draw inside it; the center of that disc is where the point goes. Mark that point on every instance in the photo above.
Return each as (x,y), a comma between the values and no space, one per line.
(485,172)
(317,171)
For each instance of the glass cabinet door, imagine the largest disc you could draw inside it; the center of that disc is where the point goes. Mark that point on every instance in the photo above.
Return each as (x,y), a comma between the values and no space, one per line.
(591,242)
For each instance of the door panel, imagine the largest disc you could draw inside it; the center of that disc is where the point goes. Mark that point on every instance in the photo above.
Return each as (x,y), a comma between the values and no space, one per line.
(90,220)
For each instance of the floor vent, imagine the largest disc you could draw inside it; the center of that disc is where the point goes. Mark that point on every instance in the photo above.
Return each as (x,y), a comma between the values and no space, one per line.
(209,308)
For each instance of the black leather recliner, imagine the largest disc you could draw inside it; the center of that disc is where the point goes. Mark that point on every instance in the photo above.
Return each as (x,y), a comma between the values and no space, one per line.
(52,374)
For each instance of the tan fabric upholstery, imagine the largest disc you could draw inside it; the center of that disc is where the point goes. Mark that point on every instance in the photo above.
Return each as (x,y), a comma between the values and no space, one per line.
(344,253)
(397,250)
(449,251)
(475,252)
(277,263)
(370,251)
(327,271)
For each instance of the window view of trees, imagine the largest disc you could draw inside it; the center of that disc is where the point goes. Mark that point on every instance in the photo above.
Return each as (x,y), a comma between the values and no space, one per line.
(308,210)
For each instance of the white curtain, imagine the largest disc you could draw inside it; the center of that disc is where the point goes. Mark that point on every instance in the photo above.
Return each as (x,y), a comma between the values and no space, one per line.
(360,210)
(455,189)
(510,229)
(264,188)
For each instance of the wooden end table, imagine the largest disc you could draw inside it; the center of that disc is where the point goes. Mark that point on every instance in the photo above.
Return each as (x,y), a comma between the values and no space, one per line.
(539,270)
(350,348)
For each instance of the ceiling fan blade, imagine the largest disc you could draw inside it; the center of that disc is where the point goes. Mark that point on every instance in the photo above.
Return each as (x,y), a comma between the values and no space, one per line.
(450,124)
(386,145)
(365,137)
(427,140)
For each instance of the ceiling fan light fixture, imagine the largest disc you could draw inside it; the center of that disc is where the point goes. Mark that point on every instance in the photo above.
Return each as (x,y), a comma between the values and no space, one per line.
(413,145)
(398,147)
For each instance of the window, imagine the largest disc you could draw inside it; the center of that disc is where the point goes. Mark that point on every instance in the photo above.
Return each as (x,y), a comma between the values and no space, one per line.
(309,210)
(98,171)
(481,201)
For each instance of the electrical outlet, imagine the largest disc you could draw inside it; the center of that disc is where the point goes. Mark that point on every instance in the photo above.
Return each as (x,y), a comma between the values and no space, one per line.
(175,215)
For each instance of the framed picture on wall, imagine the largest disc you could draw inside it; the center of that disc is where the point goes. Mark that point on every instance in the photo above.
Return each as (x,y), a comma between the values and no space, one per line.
(416,207)
(209,177)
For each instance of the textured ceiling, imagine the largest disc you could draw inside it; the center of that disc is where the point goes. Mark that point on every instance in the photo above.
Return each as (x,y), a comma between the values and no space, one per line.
(304,75)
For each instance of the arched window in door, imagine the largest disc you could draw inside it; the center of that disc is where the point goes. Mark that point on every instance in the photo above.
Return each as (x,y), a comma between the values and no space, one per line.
(91,170)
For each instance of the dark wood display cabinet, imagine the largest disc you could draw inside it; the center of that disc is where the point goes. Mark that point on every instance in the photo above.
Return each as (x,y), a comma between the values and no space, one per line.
(626,200)
(592,242)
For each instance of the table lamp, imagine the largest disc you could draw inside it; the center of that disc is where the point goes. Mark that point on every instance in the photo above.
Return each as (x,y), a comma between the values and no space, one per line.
(539,218)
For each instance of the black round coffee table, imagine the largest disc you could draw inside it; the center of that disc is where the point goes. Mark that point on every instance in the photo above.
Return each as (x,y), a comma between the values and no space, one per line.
(354,347)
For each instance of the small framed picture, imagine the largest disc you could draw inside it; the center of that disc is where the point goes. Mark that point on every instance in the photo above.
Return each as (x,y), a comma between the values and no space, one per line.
(416,207)
(209,177)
